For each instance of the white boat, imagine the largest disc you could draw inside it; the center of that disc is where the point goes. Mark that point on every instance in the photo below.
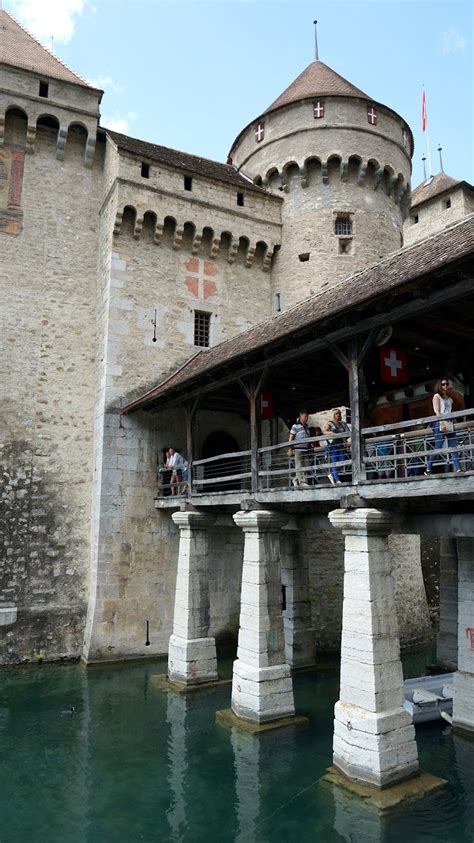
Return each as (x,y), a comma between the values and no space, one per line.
(429,697)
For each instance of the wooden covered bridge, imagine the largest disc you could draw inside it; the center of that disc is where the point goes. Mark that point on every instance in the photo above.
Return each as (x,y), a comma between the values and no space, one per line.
(414,308)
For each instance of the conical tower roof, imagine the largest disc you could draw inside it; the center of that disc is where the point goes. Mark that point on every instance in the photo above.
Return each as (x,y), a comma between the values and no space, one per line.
(18,48)
(316,80)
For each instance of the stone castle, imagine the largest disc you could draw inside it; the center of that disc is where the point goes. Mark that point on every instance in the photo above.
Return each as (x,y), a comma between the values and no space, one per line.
(122,258)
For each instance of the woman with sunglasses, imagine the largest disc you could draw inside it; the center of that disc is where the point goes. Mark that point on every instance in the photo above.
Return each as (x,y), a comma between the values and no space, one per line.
(443,403)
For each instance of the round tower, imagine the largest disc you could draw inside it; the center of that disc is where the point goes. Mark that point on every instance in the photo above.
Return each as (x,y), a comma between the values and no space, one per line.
(343,164)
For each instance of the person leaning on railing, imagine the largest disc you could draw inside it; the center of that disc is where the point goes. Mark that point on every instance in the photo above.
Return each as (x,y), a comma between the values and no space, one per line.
(179,472)
(444,428)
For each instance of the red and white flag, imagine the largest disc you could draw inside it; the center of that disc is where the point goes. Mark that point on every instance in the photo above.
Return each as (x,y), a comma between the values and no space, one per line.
(423,113)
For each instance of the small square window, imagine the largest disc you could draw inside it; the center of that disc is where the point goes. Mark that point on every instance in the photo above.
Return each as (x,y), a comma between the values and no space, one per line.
(43,89)
(202,324)
(188,182)
(145,170)
(304,257)
(447,204)
(240,199)
(343,226)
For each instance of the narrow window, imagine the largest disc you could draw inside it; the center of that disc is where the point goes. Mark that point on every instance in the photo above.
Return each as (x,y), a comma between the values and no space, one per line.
(414,219)
(304,257)
(145,170)
(43,89)
(372,116)
(343,226)
(202,322)
(283,598)
(240,199)
(318,109)
(448,203)
(188,182)
(278,302)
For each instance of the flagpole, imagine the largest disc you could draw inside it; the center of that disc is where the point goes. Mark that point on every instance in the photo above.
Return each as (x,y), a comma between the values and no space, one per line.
(425,129)
(316,51)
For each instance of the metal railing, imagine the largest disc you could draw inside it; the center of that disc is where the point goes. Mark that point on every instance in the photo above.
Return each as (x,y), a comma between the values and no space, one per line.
(412,448)
(390,452)
(312,462)
(224,473)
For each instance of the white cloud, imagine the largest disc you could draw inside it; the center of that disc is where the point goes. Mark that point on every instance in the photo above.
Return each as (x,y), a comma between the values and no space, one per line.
(49,18)
(452,42)
(106,83)
(120,124)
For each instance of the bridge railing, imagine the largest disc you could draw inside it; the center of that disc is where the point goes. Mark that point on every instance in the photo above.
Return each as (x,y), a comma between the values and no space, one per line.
(224,473)
(412,448)
(310,462)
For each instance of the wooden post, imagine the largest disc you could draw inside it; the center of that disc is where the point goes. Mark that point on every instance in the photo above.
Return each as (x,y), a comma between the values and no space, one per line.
(189,412)
(253,394)
(358,467)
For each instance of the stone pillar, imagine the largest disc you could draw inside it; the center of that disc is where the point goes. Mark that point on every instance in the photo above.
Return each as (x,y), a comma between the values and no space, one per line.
(192,653)
(262,688)
(463,707)
(447,640)
(297,621)
(374,741)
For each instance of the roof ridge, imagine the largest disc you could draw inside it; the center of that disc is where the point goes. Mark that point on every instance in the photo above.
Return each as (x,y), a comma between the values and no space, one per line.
(46,49)
(172,149)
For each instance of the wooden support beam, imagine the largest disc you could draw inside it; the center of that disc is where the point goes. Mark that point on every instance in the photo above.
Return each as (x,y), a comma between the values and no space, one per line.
(338,354)
(189,409)
(358,467)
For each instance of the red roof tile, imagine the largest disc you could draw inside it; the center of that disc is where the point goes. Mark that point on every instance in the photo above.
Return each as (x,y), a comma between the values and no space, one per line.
(19,48)
(316,80)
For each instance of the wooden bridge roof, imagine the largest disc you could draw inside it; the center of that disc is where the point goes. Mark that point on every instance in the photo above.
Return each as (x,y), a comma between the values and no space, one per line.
(334,311)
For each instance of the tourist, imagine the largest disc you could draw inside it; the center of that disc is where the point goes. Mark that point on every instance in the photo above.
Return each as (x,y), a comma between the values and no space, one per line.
(179,472)
(335,447)
(444,428)
(299,434)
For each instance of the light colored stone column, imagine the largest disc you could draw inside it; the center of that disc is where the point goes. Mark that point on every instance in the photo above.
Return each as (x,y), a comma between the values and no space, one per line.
(374,741)
(447,640)
(192,653)
(297,621)
(262,687)
(463,707)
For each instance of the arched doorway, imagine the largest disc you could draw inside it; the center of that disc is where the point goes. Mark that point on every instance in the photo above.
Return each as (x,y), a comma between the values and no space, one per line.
(220,442)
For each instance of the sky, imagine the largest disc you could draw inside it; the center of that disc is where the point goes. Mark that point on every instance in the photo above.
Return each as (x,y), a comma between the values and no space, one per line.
(190,75)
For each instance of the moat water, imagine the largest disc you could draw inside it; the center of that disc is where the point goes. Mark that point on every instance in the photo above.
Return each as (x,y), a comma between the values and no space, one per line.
(135,763)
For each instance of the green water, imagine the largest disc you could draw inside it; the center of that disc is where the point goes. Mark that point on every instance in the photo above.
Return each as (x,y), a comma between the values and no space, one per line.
(138,764)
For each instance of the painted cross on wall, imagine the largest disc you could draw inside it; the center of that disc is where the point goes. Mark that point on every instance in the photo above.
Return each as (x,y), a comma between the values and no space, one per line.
(200,278)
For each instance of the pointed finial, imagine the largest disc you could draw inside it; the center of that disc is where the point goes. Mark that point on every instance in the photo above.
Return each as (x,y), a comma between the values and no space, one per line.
(316,51)
(424,166)
(440,149)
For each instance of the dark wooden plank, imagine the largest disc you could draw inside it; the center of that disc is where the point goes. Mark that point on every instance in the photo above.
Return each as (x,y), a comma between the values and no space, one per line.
(358,467)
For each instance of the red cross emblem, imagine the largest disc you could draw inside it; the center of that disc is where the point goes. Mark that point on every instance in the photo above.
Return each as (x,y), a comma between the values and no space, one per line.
(199,279)
(259,131)
(372,116)
(393,365)
(318,109)
(470,636)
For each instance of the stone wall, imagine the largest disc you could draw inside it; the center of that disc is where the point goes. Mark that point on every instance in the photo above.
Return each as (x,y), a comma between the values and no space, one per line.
(434,215)
(48,282)
(325,554)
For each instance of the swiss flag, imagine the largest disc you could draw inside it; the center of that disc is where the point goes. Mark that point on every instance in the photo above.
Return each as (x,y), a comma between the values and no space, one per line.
(393,365)
(266,405)
(423,112)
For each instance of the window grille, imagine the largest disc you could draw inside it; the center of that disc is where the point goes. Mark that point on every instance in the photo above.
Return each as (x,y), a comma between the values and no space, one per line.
(202,324)
(343,226)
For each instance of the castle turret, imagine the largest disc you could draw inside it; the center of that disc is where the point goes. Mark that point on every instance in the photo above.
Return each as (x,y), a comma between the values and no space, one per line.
(342,162)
